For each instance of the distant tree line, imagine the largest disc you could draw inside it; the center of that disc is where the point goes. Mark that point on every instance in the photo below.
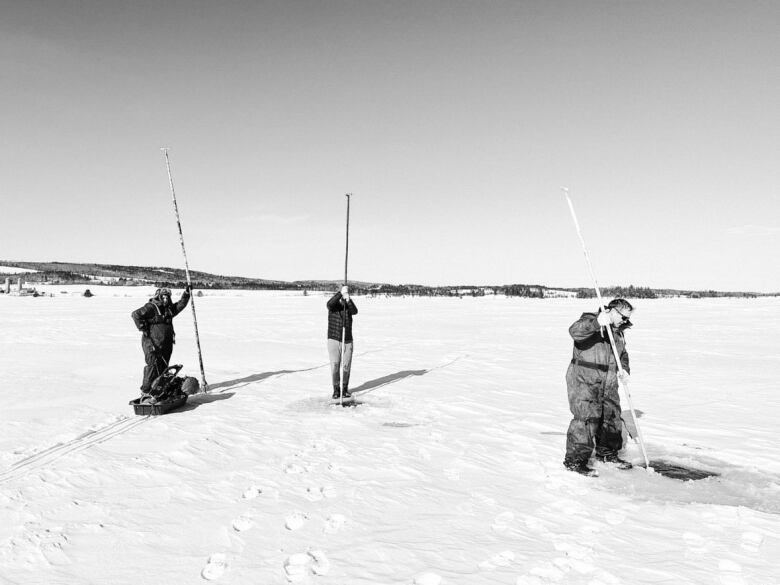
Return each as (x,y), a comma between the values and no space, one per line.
(523,290)
(78,273)
(623,292)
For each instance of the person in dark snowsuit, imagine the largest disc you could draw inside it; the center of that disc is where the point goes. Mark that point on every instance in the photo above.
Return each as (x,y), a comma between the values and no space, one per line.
(592,385)
(155,322)
(341,308)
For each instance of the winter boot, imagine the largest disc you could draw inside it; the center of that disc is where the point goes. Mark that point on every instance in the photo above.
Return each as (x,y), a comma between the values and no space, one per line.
(346,393)
(616,461)
(581,468)
(336,393)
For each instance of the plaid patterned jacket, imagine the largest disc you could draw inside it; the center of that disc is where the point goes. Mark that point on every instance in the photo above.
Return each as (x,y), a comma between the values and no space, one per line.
(336,314)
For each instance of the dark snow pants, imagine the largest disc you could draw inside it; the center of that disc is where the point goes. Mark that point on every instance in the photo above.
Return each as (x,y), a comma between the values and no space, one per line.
(156,359)
(595,405)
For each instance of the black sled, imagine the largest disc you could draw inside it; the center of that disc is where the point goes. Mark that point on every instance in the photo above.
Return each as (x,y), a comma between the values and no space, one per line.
(168,392)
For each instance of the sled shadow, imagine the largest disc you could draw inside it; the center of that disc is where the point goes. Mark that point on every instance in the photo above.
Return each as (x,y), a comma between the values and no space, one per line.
(200,399)
(371,385)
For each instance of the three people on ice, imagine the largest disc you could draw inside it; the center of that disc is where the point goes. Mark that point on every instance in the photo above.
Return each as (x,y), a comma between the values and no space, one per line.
(341,308)
(592,385)
(591,379)
(155,322)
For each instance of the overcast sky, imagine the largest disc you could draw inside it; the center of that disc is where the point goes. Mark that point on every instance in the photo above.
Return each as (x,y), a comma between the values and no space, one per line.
(455,124)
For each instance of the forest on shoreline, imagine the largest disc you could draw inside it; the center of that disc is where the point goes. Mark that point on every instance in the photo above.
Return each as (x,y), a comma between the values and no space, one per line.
(71,273)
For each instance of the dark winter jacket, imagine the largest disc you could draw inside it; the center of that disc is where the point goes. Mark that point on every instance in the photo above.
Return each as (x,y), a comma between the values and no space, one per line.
(337,315)
(156,321)
(591,344)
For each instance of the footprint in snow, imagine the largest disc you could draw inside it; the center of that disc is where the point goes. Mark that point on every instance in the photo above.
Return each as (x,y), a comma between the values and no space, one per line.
(295,520)
(299,567)
(251,492)
(294,468)
(215,566)
(502,559)
(334,522)
(315,494)
(51,543)
(242,523)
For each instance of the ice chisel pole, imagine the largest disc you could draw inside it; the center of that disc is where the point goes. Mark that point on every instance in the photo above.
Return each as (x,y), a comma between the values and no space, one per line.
(623,386)
(186,269)
(344,314)
(346,253)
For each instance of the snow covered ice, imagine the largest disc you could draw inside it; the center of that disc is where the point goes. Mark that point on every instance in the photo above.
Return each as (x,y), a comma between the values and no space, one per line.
(448,471)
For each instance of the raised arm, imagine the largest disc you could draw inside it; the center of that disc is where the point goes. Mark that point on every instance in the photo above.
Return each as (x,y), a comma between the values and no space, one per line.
(334,304)
(351,307)
(584,327)
(185,298)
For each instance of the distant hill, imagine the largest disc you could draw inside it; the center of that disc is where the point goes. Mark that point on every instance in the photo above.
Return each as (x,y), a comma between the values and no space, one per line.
(118,275)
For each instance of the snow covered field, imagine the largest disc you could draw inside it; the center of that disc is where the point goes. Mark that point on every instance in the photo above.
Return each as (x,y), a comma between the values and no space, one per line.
(449,470)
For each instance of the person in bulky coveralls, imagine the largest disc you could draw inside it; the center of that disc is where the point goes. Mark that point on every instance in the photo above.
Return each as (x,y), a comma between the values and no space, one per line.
(592,385)
(341,308)
(155,322)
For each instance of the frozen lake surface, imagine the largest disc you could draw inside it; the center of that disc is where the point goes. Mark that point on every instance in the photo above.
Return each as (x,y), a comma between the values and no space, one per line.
(449,470)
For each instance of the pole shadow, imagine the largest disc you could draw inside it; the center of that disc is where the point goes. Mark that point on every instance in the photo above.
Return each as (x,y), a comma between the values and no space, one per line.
(239,382)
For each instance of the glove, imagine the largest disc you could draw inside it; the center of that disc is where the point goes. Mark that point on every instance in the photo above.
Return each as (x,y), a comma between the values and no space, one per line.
(604,319)
(188,289)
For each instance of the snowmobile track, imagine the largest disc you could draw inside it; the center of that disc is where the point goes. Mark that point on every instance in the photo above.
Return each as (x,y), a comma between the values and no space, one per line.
(83,441)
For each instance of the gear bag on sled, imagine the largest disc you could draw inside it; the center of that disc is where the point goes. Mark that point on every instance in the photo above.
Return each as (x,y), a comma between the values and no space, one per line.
(168,392)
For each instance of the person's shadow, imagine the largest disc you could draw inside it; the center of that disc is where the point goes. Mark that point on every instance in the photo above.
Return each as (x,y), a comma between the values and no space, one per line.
(372,385)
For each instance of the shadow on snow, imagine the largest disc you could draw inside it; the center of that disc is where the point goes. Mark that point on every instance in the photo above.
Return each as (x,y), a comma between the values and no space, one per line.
(371,385)
(239,382)
(199,399)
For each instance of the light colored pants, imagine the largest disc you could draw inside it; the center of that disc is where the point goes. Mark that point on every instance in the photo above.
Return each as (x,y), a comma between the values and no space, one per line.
(334,352)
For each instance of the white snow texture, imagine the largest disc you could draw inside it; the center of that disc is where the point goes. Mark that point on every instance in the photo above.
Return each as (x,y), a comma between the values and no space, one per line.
(448,471)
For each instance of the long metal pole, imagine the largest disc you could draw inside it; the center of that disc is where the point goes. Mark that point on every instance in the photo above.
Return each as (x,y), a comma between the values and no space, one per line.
(346,254)
(186,269)
(344,314)
(621,384)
